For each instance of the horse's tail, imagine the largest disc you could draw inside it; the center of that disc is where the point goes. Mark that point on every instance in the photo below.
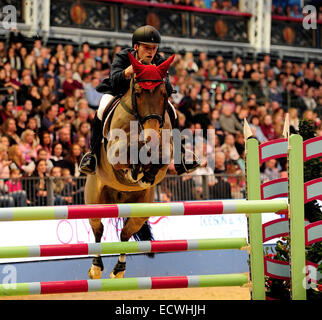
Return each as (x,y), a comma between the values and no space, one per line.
(144,234)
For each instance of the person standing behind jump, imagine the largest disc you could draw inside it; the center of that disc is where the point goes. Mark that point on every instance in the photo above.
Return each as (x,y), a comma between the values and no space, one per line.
(145,44)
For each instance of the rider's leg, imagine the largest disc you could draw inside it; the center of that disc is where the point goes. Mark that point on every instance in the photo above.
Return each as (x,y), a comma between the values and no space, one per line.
(183,166)
(90,160)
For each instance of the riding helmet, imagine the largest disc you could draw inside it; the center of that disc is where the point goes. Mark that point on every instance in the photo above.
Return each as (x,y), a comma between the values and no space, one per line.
(146,34)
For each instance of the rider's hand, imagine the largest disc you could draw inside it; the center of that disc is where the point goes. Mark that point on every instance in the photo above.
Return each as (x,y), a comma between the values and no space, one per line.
(128,72)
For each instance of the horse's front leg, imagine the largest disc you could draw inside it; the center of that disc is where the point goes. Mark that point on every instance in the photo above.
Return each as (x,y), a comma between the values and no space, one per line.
(132,226)
(95,271)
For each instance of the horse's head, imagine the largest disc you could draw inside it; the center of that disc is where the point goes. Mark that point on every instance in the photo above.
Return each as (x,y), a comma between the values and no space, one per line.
(149,95)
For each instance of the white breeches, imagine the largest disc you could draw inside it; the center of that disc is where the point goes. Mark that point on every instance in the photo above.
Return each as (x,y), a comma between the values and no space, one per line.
(105,100)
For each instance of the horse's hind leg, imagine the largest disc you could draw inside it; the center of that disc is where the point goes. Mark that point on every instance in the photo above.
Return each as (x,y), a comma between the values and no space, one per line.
(95,271)
(132,226)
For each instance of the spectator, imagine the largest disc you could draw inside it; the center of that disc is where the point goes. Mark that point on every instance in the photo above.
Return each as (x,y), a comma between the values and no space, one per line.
(256,87)
(220,163)
(203,117)
(9,129)
(228,121)
(21,121)
(28,145)
(229,149)
(35,99)
(273,93)
(256,129)
(297,101)
(293,118)
(42,155)
(222,189)
(23,93)
(188,105)
(93,97)
(271,172)
(85,132)
(309,100)
(15,188)
(14,81)
(70,103)
(45,143)
(203,170)
(14,60)
(47,99)
(64,137)
(295,13)
(7,111)
(267,128)
(4,162)
(18,162)
(56,157)
(72,160)
(32,124)
(69,85)
(40,188)
(49,121)
(58,186)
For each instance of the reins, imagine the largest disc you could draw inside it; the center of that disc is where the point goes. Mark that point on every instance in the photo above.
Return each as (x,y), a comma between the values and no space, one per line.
(135,112)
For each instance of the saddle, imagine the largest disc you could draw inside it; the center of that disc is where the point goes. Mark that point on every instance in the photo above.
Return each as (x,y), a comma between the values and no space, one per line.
(108,112)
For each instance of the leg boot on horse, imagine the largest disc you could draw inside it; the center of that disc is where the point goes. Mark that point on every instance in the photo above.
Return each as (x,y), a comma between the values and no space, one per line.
(132,226)
(95,271)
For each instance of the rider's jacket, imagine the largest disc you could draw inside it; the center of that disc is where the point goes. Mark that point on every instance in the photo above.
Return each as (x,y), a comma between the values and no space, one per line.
(117,84)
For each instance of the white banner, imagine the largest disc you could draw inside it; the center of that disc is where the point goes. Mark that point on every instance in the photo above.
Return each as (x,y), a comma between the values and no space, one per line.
(20,233)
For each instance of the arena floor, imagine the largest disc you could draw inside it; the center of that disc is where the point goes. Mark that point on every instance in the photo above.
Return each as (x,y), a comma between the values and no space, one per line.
(218,293)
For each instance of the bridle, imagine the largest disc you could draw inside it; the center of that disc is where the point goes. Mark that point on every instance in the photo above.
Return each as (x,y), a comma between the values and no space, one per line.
(135,112)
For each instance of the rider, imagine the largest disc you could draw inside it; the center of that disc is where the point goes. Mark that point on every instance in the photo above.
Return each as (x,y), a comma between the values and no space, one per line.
(145,43)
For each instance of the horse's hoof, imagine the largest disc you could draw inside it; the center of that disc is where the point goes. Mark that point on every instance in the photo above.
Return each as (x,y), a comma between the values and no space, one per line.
(120,274)
(95,272)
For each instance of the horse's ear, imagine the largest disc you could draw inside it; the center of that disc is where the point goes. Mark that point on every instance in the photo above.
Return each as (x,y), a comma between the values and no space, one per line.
(137,66)
(164,66)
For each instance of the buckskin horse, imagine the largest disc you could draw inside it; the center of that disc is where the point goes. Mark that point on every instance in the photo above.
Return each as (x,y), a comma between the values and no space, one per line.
(132,181)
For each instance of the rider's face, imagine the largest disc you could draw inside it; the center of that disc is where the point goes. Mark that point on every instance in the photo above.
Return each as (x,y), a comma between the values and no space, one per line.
(146,52)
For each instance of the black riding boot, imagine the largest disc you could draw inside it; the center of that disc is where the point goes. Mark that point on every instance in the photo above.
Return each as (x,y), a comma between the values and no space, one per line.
(184,167)
(90,160)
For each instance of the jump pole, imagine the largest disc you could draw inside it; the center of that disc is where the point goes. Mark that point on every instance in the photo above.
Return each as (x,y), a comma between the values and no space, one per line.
(142,210)
(71,286)
(255,233)
(122,247)
(296,205)
(297,227)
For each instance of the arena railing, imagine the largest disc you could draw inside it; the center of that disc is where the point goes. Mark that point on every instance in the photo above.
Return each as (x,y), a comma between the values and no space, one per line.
(35,191)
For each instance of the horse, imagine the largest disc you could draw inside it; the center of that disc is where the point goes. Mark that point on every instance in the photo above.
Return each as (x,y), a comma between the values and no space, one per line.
(145,105)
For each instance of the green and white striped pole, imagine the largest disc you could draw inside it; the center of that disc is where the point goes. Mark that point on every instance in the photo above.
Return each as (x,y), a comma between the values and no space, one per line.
(255,233)
(297,230)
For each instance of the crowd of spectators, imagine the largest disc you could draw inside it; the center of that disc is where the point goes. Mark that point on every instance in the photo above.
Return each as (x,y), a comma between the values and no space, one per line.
(287,8)
(226,5)
(208,98)
(50,126)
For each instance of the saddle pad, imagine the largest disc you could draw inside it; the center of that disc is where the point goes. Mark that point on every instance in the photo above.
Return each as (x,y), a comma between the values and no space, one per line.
(108,114)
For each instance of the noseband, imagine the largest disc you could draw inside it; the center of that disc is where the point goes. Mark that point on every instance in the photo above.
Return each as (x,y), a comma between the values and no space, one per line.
(135,112)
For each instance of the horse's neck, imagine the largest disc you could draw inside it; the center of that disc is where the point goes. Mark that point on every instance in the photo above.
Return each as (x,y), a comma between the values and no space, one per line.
(127,98)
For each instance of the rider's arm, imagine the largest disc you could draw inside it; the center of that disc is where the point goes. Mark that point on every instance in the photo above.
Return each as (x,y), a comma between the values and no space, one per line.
(117,76)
